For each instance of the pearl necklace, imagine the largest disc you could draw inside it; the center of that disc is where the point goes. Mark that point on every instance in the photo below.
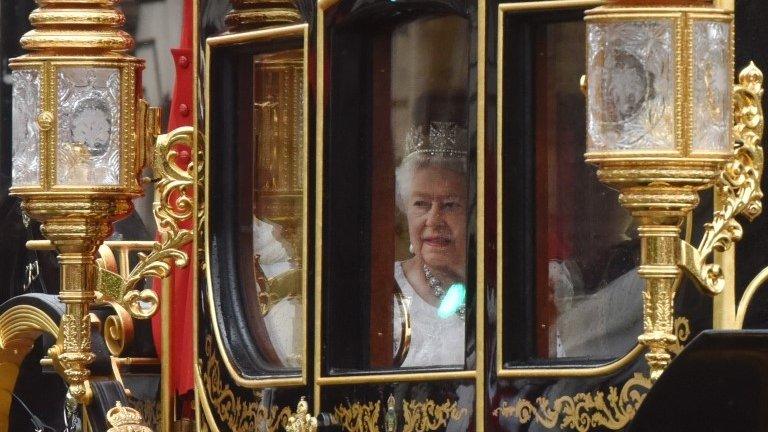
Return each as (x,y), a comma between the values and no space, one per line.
(437,288)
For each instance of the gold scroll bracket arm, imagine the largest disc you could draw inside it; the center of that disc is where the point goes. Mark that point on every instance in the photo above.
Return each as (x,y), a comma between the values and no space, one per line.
(738,186)
(173,204)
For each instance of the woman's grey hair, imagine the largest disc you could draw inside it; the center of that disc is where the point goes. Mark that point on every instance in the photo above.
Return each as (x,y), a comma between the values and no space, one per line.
(405,172)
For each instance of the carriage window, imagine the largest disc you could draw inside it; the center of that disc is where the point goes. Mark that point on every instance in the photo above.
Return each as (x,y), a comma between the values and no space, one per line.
(258,204)
(277,165)
(399,206)
(579,294)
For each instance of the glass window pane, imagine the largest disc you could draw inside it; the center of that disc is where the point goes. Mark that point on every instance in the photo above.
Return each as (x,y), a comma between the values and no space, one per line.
(278,190)
(26,131)
(584,296)
(399,211)
(712,88)
(88,149)
(258,204)
(592,295)
(633,85)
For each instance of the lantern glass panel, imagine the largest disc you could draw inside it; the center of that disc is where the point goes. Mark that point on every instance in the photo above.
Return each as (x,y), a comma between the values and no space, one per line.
(26,131)
(631,85)
(88,147)
(712,86)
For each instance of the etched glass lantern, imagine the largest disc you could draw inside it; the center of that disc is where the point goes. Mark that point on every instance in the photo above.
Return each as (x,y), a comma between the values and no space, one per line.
(659,91)
(78,150)
(74,126)
(660,82)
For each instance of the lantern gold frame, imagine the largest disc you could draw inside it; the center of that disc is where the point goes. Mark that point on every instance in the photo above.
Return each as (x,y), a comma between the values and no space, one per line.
(660,187)
(77,218)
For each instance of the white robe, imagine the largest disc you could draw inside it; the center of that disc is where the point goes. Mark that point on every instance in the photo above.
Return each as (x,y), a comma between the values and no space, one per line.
(435,341)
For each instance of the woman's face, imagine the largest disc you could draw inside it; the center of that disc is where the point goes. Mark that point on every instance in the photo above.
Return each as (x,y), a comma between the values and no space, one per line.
(437,219)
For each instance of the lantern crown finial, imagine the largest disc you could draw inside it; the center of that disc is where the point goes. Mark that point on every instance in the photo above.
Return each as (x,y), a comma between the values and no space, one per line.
(93,26)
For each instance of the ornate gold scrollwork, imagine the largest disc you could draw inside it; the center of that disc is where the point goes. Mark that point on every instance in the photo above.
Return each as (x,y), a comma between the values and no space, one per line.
(682,329)
(358,417)
(172,206)
(426,416)
(739,185)
(118,330)
(238,414)
(419,416)
(583,411)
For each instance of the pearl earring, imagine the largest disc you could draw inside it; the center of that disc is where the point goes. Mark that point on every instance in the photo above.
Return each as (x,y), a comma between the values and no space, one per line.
(410,249)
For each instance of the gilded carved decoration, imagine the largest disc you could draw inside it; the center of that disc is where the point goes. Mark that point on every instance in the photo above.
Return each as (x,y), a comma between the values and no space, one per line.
(204,425)
(425,416)
(257,14)
(19,327)
(302,420)
(18,322)
(238,414)
(583,411)
(739,184)
(125,419)
(682,329)
(200,196)
(118,330)
(419,416)
(358,417)
(174,205)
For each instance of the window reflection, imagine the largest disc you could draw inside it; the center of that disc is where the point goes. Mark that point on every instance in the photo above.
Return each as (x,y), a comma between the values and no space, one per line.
(571,287)
(587,272)
(430,146)
(277,214)
(398,215)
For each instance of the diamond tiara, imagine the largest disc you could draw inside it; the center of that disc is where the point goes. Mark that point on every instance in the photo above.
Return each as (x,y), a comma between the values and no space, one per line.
(441,139)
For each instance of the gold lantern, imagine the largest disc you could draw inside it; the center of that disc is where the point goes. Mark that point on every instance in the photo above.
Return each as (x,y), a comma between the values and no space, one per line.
(660,128)
(79,135)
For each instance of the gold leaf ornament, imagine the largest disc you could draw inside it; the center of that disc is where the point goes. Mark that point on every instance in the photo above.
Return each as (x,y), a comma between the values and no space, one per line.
(738,184)
(583,411)
(427,416)
(173,205)
(235,412)
(357,417)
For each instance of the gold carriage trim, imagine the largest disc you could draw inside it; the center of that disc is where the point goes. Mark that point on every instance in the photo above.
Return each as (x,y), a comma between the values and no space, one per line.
(419,416)
(235,412)
(21,320)
(358,417)
(682,329)
(429,416)
(583,411)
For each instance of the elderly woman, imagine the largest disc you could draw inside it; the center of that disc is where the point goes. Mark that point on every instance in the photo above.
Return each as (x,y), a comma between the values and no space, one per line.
(432,192)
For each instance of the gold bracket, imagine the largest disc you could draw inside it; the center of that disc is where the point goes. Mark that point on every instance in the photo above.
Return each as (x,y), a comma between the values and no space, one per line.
(738,186)
(173,204)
